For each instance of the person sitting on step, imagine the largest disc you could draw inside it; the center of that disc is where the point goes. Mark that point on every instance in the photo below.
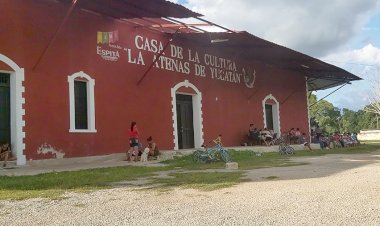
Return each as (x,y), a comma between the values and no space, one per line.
(153,149)
(5,151)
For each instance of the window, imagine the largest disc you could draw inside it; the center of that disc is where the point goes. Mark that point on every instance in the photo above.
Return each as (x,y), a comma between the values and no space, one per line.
(82,104)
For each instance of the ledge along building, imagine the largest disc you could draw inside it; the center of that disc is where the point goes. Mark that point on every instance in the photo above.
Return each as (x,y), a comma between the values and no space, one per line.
(75,74)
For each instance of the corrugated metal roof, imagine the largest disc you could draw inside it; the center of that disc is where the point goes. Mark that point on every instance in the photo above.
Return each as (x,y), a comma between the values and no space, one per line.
(159,14)
(133,8)
(321,75)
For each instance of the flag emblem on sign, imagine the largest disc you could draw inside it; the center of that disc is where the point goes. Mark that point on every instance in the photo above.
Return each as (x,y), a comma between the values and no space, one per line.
(107,37)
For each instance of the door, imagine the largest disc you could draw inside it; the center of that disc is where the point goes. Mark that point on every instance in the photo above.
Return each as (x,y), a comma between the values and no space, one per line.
(185,125)
(5,108)
(269,116)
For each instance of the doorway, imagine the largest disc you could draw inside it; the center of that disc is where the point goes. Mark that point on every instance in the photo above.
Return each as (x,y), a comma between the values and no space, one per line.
(15,88)
(185,122)
(271,111)
(5,108)
(269,116)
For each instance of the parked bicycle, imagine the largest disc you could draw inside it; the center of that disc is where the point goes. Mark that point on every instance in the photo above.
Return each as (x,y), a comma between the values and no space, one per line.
(284,148)
(213,154)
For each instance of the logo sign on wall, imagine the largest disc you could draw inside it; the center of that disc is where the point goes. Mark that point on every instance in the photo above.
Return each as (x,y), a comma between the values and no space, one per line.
(107,38)
(249,77)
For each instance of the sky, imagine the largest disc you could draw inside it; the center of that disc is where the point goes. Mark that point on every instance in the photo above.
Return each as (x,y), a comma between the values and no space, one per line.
(345,33)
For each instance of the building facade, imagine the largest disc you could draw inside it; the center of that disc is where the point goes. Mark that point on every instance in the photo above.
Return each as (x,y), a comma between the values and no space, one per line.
(73,79)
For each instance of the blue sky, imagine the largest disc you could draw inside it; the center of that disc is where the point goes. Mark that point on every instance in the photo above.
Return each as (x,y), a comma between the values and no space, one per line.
(343,33)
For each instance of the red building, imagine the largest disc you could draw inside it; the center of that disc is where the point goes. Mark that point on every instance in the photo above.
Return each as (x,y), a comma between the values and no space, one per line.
(74,74)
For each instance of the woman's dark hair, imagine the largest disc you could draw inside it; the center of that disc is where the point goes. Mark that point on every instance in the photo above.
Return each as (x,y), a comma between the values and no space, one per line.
(132,125)
(149,139)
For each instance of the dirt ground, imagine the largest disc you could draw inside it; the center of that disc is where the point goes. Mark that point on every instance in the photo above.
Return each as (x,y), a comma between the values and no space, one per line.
(339,189)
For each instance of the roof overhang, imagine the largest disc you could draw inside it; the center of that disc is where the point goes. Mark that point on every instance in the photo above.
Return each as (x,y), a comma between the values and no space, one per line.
(134,8)
(320,75)
(160,15)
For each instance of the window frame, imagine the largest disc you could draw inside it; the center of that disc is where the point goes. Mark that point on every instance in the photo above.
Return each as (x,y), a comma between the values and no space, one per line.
(81,76)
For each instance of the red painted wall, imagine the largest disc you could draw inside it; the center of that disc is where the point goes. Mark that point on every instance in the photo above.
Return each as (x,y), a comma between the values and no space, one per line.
(27,28)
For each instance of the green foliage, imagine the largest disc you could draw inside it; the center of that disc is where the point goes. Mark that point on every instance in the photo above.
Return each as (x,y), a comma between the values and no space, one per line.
(368,120)
(324,114)
(331,118)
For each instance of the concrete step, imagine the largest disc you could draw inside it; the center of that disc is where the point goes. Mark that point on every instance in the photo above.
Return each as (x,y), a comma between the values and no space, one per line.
(10,164)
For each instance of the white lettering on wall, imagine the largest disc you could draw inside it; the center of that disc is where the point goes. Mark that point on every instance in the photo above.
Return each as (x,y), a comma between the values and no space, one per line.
(135,59)
(193,58)
(152,45)
(176,51)
(170,64)
(180,60)
(107,54)
(199,70)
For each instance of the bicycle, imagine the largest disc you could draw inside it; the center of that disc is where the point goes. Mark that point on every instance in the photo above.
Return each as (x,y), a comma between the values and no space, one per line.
(284,148)
(213,154)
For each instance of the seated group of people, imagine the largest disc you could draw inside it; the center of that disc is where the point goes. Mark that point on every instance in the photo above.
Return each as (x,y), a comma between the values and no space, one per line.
(338,140)
(260,136)
(151,149)
(268,137)
(295,136)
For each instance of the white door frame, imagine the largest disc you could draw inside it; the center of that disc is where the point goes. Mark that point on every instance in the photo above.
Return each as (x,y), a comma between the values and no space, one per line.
(17,89)
(197,113)
(275,112)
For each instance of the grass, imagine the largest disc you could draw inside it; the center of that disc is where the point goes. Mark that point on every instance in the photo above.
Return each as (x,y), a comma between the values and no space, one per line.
(370,141)
(54,185)
(360,149)
(246,160)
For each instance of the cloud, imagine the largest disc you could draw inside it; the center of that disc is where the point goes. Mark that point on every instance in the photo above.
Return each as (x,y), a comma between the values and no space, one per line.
(364,62)
(312,27)
(368,55)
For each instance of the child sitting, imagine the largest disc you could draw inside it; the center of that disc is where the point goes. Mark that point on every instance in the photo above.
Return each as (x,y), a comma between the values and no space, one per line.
(153,149)
(5,151)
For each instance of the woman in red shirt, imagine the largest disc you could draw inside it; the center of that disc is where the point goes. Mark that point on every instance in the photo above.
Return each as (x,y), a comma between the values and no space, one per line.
(133,142)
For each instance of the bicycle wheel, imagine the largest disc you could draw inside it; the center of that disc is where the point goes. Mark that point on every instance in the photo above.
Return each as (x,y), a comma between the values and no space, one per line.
(289,150)
(282,149)
(211,155)
(225,155)
(197,155)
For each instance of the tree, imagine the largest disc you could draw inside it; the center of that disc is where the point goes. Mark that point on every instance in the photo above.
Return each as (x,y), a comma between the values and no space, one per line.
(324,114)
(331,118)
(367,120)
(374,99)
(349,121)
